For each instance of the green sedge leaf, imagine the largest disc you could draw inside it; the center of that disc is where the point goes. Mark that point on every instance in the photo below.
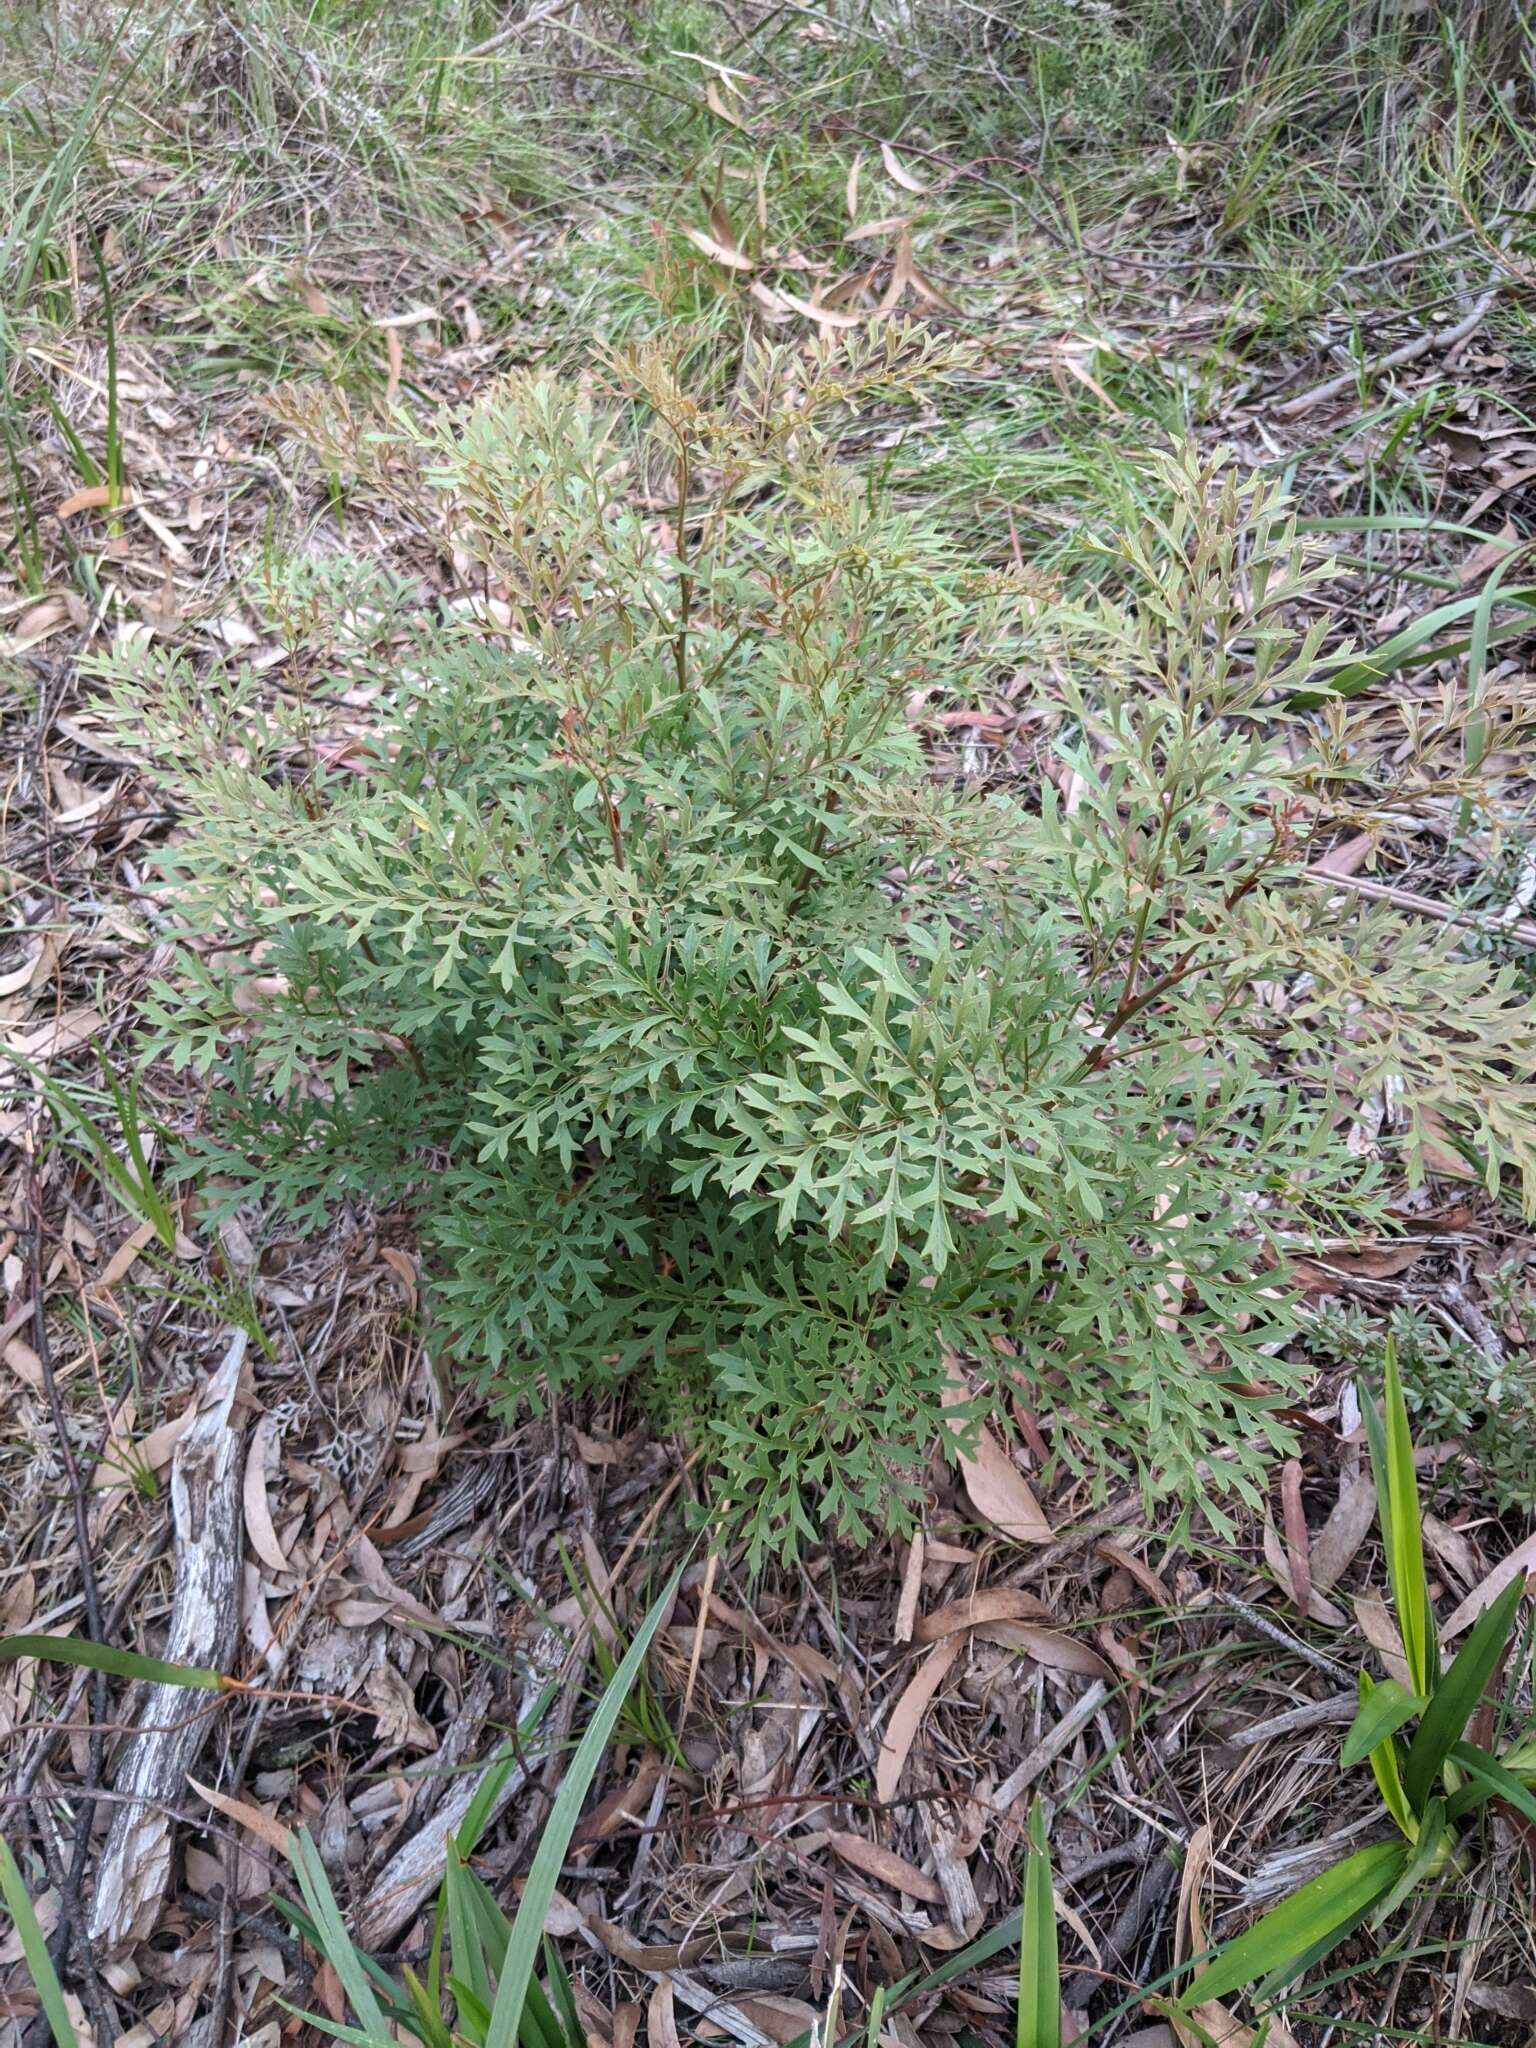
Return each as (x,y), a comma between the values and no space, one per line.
(1384,1708)
(1417,642)
(1397,1503)
(562,1997)
(1493,1781)
(335,1942)
(533,1908)
(1424,1858)
(107,1657)
(1387,1770)
(1039,2016)
(34,1947)
(1304,1926)
(1457,1696)
(474,2013)
(426,2017)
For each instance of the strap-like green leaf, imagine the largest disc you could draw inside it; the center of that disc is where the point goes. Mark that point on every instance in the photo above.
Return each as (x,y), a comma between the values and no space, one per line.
(335,1942)
(34,1946)
(1425,1856)
(1456,1697)
(107,1657)
(1306,1924)
(1039,2017)
(528,1927)
(1384,1707)
(1417,642)
(1397,1504)
(1387,1770)
(1491,1780)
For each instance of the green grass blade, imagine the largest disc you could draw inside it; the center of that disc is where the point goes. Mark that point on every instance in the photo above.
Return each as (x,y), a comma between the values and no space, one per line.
(473,2010)
(335,1942)
(1418,642)
(427,2015)
(1421,1862)
(562,1997)
(1387,1769)
(107,1657)
(1306,1925)
(1039,2016)
(34,1947)
(1492,1781)
(1384,1708)
(528,1927)
(1457,1695)
(464,1943)
(492,1927)
(1397,1504)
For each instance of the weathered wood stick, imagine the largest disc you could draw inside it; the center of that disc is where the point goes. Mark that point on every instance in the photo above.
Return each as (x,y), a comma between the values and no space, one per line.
(173,1723)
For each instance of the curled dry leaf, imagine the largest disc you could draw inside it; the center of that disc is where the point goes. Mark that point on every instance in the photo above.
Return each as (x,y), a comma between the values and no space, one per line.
(886,1866)
(998,1603)
(825,316)
(1213,2022)
(995,1487)
(1281,1562)
(1346,1528)
(717,251)
(1151,1583)
(897,171)
(1521,1562)
(661,2017)
(911,1589)
(715,101)
(257,1819)
(1380,1631)
(1047,1646)
(93,498)
(907,1715)
(261,1462)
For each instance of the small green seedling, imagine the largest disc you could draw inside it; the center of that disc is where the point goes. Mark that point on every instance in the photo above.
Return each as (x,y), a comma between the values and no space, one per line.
(1430,1779)
(482,1962)
(1039,2017)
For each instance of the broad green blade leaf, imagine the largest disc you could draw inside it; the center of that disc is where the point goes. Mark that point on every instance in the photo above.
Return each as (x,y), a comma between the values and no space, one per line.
(1306,1924)
(474,2013)
(335,1942)
(1418,641)
(1492,1779)
(1425,1857)
(533,1909)
(1384,1708)
(337,2029)
(539,2027)
(563,1997)
(1457,1695)
(107,1657)
(34,1946)
(465,1945)
(493,1928)
(1387,1770)
(1397,1504)
(1039,2017)
(427,2013)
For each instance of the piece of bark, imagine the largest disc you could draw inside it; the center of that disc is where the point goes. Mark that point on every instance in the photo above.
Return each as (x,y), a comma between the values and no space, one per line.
(173,1722)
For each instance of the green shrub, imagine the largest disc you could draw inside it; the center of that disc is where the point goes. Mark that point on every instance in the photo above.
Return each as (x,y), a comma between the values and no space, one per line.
(1457,1391)
(722,1050)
